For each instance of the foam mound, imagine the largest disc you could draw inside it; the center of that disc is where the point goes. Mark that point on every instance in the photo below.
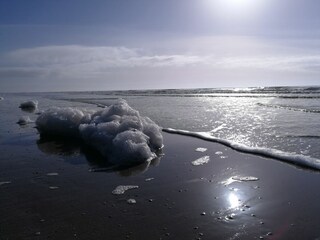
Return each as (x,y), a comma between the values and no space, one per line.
(24,120)
(117,132)
(31,104)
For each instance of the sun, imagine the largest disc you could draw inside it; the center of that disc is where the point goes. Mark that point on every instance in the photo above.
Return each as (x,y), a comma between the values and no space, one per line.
(237,9)
(239,5)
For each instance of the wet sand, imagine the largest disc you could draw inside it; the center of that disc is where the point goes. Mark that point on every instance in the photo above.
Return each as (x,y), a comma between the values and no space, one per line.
(47,191)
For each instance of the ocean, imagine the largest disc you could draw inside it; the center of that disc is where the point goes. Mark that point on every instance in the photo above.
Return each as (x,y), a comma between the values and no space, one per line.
(285,119)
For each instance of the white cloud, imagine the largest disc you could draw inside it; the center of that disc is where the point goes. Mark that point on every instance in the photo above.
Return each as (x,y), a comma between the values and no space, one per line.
(121,66)
(89,59)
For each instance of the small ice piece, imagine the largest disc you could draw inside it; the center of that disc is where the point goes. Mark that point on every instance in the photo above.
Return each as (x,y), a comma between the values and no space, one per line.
(201,161)
(245,178)
(200,149)
(218,153)
(53,187)
(5,182)
(52,174)
(24,120)
(131,201)
(31,104)
(122,188)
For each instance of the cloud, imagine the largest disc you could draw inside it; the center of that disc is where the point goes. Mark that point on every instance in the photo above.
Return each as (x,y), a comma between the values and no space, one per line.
(98,62)
(21,72)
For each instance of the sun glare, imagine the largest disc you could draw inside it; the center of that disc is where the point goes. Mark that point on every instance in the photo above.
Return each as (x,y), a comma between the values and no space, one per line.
(238,9)
(239,5)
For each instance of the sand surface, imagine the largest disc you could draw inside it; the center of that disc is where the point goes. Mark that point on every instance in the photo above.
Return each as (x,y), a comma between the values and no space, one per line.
(49,191)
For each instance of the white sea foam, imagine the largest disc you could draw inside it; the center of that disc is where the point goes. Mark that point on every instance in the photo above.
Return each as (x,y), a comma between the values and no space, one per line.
(131,201)
(31,104)
(200,149)
(61,121)
(121,189)
(5,182)
(117,132)
(245,178)
(24,120)
(201,161)
(292,158)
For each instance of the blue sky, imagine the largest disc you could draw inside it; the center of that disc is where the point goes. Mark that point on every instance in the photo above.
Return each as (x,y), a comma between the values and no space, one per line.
(143,44)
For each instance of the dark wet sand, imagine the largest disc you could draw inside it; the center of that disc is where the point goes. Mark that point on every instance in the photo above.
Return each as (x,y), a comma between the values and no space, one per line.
(282,204)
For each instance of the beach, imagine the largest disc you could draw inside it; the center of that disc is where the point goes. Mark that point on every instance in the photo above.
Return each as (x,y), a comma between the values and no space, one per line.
(175,200)
(55,189)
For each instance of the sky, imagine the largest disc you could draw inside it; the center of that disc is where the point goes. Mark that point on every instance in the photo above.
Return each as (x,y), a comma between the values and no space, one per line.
(86,45)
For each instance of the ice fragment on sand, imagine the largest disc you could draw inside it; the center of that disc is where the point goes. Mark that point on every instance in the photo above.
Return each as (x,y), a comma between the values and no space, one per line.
(32,104)
(218,153)
(122,188)
(131,201)
(201,161)
(3,183)
(200,149)
(245,178)
(24,120)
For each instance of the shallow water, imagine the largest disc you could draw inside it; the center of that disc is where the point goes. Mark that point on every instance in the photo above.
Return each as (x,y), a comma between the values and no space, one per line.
(281,118)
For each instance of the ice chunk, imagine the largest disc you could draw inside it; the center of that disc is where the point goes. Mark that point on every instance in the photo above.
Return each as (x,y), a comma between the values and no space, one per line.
(31,104)
(201,161)
(24,120)
(121,189)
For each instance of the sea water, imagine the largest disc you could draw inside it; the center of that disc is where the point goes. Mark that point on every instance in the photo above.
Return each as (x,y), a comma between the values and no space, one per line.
(286,119)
